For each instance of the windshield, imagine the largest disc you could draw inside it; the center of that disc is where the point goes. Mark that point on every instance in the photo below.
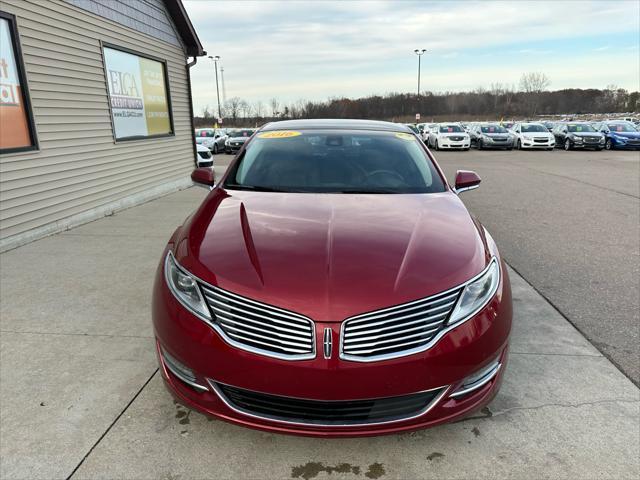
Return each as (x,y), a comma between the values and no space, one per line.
(580,127)
(533,128)
(493,129)
(450,129)
(204,133)
(413,128)
(241,133)
(621,127)
(335,161)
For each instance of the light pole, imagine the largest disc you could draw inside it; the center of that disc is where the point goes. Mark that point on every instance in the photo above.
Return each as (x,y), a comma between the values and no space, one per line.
(215,61)
(419,53)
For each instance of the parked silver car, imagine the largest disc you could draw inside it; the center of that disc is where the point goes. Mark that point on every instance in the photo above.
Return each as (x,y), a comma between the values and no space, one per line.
(212,138)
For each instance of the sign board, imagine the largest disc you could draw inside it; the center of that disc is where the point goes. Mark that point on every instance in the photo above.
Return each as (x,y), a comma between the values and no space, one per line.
(138,95)
(417,116)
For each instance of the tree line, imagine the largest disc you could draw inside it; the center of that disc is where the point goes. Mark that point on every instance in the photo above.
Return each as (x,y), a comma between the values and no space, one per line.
(530,99)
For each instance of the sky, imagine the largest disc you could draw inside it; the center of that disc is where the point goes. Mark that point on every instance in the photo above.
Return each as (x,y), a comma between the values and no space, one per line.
(319,49)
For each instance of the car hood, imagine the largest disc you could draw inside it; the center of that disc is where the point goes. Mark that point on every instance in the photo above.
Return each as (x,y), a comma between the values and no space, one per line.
(587,134)
(496,135)
(331,256)
(626,134)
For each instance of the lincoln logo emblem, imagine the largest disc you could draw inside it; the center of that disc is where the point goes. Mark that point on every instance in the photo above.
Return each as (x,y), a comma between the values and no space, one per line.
(327,343)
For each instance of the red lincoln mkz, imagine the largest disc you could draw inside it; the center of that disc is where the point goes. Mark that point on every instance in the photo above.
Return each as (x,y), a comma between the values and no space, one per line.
(333,284)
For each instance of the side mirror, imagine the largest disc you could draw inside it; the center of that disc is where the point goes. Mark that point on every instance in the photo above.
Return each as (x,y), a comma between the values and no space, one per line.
(204,177)
(466,180)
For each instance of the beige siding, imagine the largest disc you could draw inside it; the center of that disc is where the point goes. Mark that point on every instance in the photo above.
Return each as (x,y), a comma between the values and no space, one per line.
(79,166)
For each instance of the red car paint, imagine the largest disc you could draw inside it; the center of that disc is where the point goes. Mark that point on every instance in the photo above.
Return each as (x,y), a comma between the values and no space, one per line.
(330,257)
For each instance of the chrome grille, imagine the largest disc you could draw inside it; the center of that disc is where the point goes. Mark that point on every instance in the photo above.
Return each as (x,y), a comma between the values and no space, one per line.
(396,331)
(260,328)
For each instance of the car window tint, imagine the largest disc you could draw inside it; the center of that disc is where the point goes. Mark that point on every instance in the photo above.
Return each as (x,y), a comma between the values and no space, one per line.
(337,161)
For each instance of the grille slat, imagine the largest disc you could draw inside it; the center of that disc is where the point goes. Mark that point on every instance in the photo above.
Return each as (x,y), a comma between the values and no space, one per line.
(241,331)
(325,412)
(430,320)
(396,331)
(239,326)
(260,328)
(358,344)
(256,306)
(404,308)
(431,313)
(402,331)
(231,316)
(274,348)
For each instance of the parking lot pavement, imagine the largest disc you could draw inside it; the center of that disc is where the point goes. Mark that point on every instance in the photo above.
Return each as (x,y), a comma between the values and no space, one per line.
(568,223)
(81,395)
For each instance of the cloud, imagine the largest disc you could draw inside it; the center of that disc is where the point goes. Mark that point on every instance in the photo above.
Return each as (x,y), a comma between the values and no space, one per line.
(319,49)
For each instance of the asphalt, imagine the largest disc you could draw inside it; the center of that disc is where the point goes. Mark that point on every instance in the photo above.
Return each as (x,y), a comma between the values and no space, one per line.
(81,396)
(569,223)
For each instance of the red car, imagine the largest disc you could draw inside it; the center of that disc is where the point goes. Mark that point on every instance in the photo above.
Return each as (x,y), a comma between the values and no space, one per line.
(333,284)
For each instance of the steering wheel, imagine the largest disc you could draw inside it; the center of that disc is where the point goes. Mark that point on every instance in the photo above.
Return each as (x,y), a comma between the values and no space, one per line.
(388,173)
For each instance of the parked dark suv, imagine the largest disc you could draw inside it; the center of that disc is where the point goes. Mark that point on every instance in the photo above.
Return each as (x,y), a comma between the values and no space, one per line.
(578,135)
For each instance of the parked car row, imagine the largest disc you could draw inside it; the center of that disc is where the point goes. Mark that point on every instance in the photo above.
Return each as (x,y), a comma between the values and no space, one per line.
(569,135)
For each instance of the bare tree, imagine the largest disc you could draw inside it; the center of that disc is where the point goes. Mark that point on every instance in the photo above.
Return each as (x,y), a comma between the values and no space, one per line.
(258,108)
(233,105)
(533,84)
(274,106)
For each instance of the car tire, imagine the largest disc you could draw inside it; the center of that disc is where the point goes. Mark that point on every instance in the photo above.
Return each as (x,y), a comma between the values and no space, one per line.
(435,146)
(549,149)
(215,148)
(608,145)
(480,146)
(567,144)
(519,145)
(509,148)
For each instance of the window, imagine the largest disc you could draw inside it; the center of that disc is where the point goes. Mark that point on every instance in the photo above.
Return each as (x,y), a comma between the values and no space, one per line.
(138,94)
(17,132)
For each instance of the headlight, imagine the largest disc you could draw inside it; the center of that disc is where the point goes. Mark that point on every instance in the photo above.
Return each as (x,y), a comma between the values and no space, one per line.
(185,287)
(476,294)
(576,138)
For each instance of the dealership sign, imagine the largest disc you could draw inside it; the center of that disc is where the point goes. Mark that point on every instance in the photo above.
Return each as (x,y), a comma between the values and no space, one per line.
(138,95)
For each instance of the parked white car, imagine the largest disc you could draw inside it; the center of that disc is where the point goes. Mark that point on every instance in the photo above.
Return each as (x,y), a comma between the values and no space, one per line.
(205,157)
(533,135)
(448,136)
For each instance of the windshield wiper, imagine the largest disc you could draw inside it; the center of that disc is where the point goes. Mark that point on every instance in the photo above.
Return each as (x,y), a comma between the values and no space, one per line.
(363,191)
(258,188)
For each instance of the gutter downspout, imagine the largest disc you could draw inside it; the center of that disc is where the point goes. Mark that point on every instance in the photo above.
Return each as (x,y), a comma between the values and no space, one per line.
(193,128)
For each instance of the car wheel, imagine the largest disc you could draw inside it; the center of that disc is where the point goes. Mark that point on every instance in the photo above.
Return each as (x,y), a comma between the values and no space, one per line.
(519,145)
(567,144)
(608,144)
(480,145)
(435,146)
(215,148)
(549,149)
(509,148)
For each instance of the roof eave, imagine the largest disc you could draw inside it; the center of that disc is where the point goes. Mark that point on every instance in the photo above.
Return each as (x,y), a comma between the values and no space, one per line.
(188,34)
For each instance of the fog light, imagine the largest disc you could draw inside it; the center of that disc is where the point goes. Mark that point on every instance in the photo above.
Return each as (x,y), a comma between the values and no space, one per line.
(478,379)
(181,371)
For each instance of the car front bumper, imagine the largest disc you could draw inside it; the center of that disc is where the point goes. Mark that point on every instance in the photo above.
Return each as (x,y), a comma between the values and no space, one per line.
(454,145)
(532,144)
(472,346)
